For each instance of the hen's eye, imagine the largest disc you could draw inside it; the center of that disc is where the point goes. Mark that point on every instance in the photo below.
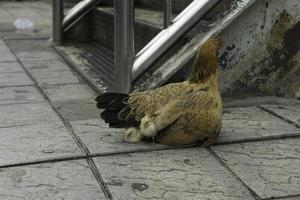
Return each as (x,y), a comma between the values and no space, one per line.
(147,123)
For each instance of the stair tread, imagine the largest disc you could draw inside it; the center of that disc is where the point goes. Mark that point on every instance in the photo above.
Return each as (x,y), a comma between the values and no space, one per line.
(92,59)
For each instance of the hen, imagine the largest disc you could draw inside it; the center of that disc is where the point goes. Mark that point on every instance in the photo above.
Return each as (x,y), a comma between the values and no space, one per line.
(175,114)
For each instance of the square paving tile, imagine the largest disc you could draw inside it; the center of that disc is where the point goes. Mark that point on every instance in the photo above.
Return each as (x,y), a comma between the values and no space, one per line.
(51,72)
(3,48)
(269,168)
(27,114)
(174,174)
(56,65)
(69,92)
(50,77)
(10,67)
(15,79)
(21,144)
(250,123)
(63,180)
(5,16)
(36,55)
(7,57)
(289,198)
(77,109)
(13,95)
(289,112)
(99,138)
(27,45)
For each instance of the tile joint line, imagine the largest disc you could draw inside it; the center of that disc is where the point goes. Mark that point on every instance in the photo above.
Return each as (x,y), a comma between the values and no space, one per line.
(227,168)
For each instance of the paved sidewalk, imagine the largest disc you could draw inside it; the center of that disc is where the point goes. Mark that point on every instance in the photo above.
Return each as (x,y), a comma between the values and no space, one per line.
(54,146)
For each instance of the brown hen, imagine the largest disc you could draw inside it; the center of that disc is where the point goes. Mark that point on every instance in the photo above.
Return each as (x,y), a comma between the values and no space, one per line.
(174,114)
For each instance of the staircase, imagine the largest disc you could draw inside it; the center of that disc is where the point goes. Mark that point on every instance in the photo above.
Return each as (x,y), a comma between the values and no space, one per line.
(89,44)
(94,44)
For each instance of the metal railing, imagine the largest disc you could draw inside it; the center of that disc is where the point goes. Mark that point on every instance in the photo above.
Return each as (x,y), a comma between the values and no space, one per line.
(129,66)
(174,29)
(62,22)
(58,17)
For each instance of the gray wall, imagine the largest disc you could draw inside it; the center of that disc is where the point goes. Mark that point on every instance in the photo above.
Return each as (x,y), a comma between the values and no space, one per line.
(261,53)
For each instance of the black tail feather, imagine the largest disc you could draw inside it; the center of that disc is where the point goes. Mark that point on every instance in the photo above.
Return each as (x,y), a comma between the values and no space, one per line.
(103,100)
(110,116)
(114,104)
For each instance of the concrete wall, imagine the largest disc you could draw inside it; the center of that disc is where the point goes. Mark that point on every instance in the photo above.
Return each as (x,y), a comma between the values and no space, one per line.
(261,53)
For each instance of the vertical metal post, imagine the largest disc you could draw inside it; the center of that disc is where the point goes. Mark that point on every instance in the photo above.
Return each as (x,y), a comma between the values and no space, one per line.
(57,16)
(124,44)
(167,13)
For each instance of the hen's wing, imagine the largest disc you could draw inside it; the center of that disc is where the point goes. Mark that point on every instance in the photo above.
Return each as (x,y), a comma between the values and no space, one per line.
(197,121)
(148,102)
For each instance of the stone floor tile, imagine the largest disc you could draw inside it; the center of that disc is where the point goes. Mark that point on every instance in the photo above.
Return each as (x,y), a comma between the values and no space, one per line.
(5,16)
(289,198)
(27,114)
(7,57)
(15,79)
(63,180)
(99,138)
(269,168)
(78,109)
(32,46)
(291,112)
(257,100)
(51,77)
(173,174)
(21,144)
(12,95)
(51,72)
(10,67)
(69,92)
(36,55)
(55,65)
(3,48)
(249,123)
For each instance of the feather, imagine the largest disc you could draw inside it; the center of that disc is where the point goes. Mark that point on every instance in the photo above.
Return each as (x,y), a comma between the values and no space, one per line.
(103,100)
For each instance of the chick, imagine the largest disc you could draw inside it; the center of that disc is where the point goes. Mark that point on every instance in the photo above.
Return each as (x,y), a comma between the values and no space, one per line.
(148,127)
(132,135)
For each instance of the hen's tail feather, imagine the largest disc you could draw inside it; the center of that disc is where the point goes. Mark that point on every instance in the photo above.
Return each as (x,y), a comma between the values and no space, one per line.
(103,100)
(116,110)
(111,116)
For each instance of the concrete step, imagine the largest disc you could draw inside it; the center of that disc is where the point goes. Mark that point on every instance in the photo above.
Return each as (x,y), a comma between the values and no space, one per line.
(93,60)
(148,24)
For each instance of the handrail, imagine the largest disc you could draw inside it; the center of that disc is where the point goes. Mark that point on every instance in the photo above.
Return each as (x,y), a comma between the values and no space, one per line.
(78,11)
(169,36)
(128,65)
(63,22)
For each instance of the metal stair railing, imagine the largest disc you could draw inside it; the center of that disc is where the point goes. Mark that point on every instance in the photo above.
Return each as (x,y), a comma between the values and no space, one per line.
(130,66)
(62,22)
